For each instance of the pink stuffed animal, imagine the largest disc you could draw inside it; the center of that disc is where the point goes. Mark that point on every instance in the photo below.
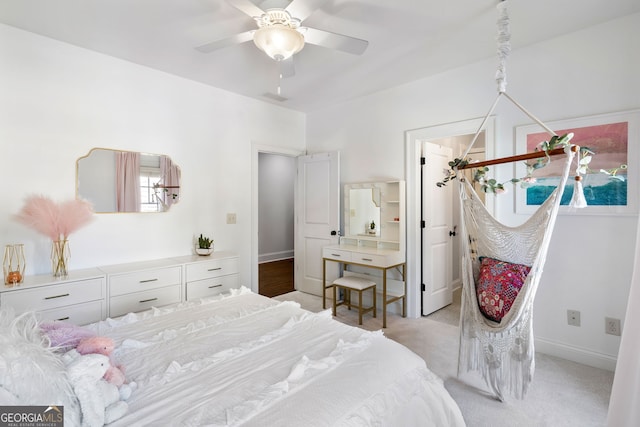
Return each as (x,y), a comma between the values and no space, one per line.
(104,346)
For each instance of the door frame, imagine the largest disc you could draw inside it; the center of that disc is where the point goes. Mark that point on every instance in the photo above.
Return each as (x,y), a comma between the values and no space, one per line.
(413,152)
(257,148)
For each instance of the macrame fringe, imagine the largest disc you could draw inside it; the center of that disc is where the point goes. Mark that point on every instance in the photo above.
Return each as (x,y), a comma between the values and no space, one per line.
(506,369)
(577,199)
(504,47)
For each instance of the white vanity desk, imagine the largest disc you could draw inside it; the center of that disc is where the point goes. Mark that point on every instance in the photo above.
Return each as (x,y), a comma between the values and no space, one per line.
(376,258)
(383,249)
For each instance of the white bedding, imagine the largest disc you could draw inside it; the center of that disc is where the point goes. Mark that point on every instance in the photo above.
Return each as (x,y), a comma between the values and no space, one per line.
(243,359)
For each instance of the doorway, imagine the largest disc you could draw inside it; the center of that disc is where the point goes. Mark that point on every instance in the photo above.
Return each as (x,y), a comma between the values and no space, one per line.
(276,179)
(457,135)
(440,207)
(272,244)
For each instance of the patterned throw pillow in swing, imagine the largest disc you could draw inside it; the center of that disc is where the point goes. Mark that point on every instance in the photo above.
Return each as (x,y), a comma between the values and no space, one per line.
(498,286)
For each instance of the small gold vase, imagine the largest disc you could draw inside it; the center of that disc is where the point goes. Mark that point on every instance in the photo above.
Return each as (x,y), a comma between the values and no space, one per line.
(13,264)
(60,254)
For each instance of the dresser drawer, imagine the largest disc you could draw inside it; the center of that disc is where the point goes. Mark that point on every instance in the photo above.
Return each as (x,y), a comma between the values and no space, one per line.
(54,296)
(210,287)
(78,314)
(336,254)
(367,259)
(211,268)
(139,301)
(143,280)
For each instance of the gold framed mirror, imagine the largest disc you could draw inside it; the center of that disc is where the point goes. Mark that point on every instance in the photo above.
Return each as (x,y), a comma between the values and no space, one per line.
(117,181)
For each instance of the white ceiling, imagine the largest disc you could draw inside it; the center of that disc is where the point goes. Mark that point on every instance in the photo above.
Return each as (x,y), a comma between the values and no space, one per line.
(408,39)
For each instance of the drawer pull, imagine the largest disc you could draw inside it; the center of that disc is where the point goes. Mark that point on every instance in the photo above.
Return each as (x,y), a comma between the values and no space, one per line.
(367,259)
(63,318)
(215,269)
(148,280)
(57,296)
(148,300)
(338,255)
(215,286)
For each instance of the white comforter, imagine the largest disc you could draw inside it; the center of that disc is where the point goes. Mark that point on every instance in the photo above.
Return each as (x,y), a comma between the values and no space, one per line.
(243,359)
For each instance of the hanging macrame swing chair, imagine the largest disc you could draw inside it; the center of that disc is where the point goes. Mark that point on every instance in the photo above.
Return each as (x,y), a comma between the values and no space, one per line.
(502,265)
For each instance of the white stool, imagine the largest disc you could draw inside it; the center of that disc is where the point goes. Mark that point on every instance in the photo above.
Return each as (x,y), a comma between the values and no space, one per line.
(349,283)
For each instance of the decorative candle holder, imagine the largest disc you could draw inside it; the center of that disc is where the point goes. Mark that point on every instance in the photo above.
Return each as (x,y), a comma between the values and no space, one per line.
(13,264)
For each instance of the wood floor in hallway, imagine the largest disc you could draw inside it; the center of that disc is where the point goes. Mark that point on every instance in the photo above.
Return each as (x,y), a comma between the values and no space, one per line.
(275,277)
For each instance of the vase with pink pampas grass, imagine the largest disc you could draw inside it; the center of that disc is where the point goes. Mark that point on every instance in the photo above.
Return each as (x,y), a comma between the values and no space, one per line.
(56,221)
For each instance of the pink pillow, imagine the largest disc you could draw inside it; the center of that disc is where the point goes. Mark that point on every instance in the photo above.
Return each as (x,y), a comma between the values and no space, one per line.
(498,286)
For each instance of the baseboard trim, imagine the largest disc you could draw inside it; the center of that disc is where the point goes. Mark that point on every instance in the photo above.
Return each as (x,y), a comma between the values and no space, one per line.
(576,354)
(275,256)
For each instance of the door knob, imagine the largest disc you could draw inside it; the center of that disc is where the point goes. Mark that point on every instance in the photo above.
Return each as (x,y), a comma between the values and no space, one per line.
(453,232)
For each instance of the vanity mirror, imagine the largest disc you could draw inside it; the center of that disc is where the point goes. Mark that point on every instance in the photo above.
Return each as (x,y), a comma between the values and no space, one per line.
(381,203)
(362,210)
(127,181)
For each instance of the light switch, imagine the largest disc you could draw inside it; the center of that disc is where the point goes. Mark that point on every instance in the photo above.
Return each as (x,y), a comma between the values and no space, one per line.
(231,218)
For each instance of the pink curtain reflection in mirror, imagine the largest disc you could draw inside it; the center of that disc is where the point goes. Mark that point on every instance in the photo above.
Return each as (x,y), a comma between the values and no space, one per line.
(127,181)
(170,182)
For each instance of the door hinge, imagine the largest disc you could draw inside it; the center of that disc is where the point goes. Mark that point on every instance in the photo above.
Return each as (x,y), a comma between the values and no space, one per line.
(423,161)
(423,224)
(424,287)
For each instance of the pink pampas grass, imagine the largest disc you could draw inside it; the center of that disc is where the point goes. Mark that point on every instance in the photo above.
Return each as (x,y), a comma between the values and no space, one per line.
(55,220)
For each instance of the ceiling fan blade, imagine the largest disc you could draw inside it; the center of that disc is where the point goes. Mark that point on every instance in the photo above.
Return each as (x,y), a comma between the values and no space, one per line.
(247,7)
(287,68)
(335,41)
(302,9)
(229,41)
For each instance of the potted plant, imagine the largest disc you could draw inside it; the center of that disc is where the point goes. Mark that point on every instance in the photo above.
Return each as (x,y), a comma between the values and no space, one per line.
(372,228)
(205,245)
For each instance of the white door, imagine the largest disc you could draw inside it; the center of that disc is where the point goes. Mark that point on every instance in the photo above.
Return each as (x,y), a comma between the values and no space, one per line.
(317,217)
(437,217)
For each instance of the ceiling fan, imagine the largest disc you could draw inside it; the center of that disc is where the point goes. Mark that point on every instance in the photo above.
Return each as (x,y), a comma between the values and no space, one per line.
(279,32)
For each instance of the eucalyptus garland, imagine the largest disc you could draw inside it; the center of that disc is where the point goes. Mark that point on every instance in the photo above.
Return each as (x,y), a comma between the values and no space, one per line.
(490,185)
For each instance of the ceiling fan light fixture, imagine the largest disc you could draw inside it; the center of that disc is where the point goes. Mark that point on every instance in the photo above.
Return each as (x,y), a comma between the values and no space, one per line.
(278,41)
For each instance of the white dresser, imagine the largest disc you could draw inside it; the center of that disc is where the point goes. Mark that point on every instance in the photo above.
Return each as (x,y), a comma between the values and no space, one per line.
(79,298)
(91,295)
(210,275)
(138,286)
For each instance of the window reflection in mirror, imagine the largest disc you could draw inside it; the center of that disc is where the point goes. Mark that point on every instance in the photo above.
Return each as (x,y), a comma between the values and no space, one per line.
(364,211)
(127,181)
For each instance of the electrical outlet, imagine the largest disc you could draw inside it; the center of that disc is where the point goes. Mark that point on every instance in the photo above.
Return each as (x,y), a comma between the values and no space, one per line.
(231,218)
(573,317)
(612,326)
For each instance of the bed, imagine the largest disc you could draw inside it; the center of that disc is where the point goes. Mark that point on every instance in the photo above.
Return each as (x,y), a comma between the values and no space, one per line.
(244,359)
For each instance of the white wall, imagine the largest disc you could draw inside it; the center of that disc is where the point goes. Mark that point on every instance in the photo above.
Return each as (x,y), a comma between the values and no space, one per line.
(276,179)
(59,101)
(585,73)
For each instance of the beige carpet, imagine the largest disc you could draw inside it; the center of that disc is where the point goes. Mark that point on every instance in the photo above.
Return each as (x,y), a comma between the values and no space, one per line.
(563,393)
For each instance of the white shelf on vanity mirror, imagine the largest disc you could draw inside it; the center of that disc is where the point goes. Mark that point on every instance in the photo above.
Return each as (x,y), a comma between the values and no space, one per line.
(392,213)
(138,286)
(78,298)
(209,275)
